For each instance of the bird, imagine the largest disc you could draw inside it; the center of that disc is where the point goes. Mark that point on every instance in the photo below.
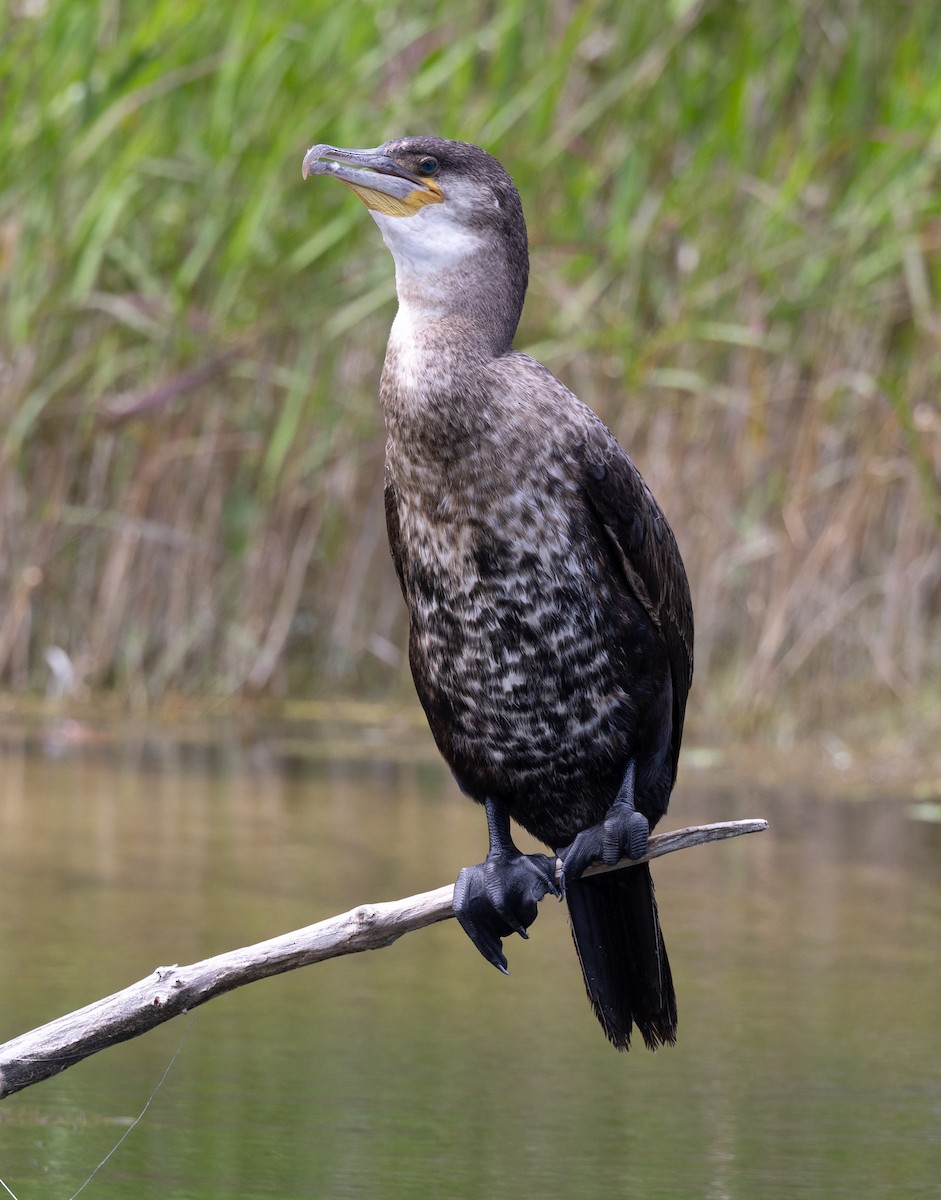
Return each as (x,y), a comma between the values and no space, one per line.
(550,620)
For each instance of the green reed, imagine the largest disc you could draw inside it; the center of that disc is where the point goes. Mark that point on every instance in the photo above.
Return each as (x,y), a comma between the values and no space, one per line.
(736,237)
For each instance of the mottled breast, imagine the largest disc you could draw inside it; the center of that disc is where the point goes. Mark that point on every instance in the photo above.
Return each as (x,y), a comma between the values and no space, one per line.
(520,630)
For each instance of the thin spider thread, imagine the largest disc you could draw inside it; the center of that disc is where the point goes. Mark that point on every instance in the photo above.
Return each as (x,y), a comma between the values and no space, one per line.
(140,1116)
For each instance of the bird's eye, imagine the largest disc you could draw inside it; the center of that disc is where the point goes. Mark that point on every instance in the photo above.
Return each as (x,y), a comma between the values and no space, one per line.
(427,165)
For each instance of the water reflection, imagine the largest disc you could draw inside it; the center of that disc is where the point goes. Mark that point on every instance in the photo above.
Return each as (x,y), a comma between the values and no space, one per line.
(806,961)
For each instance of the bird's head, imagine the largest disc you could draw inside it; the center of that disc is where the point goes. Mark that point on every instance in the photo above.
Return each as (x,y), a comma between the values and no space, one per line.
(449,213)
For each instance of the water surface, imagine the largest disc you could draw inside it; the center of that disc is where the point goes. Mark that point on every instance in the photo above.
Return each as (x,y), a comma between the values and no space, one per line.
(807,962)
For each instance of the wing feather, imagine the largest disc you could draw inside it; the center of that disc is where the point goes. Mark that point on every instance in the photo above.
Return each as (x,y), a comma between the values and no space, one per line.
(394,531)
(644,547)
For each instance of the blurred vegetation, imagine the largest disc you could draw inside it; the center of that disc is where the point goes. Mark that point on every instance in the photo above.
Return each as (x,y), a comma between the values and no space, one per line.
(735,220)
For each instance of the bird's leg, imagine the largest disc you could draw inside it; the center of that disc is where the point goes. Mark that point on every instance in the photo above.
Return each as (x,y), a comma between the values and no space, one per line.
(499,896)
(622,834)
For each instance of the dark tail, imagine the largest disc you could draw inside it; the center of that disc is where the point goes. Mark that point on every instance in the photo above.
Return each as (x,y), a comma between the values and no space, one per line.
(624,961)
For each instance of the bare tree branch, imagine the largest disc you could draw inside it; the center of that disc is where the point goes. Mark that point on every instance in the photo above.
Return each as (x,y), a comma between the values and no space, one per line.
(170,991)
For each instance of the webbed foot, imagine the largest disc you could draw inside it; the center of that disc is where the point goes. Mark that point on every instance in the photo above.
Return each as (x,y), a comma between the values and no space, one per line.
(500,895)
(622,834)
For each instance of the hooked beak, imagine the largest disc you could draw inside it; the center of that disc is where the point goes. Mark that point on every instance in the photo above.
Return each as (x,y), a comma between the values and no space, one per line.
(380,182)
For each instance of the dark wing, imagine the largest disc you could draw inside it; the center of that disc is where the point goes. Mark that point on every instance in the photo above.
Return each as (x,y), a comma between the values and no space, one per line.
(646,550)
(392,529)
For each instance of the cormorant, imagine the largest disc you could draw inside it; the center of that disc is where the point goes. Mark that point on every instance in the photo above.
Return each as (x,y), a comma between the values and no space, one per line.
(550,622)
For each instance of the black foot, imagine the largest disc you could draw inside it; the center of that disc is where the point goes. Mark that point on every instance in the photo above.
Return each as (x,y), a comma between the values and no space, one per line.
(622,834)
(499,896)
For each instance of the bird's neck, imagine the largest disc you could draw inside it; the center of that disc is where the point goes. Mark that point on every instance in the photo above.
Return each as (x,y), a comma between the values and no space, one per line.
(455,285)
(471,312)
(459,305)
(435,359)
(442,335)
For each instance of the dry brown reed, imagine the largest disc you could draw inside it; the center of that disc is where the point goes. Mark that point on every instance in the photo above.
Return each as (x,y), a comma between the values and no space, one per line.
(736,259)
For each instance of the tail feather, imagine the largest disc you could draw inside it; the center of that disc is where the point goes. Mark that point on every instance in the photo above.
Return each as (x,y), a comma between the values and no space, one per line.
(624,961)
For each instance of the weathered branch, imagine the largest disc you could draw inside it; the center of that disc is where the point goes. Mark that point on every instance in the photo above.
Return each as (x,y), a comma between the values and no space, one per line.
(170,991)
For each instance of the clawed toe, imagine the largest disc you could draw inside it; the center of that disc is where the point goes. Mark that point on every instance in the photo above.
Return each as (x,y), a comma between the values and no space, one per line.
(625,835)
(622,834)
(478,918)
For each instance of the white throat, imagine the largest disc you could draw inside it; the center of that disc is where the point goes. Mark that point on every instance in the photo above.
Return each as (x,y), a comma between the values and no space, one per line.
(428,249)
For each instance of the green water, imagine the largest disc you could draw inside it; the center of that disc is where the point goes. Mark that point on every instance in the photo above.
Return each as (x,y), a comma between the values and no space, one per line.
(807,962)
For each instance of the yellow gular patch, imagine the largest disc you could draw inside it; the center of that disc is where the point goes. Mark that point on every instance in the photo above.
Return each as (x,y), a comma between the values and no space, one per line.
(392,206)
